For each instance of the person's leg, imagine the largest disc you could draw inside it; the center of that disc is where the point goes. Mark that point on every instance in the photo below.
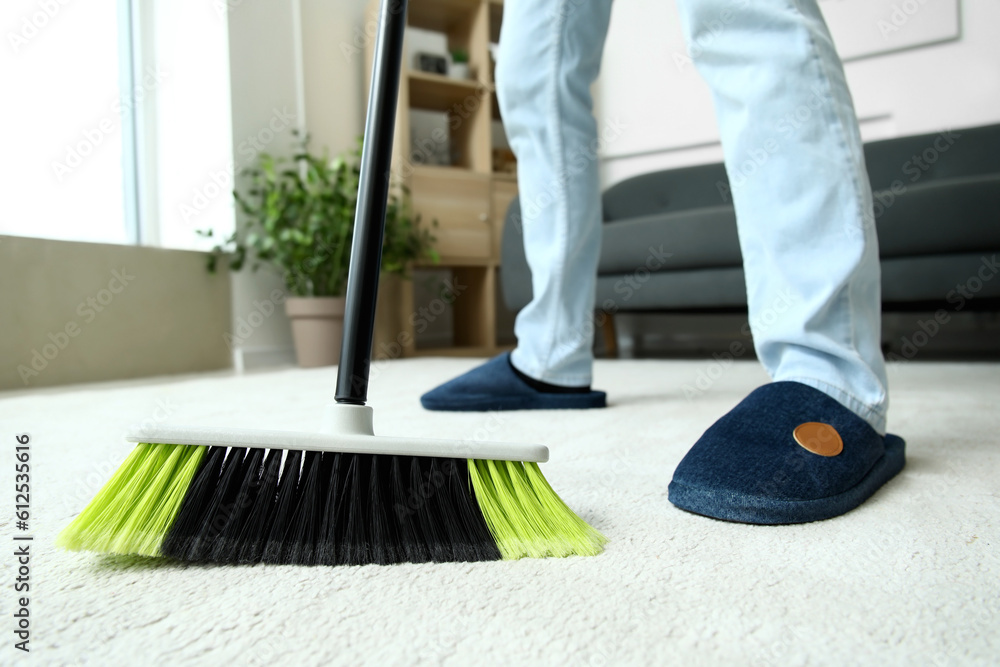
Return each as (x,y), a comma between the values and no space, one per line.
(550,54)
(802,197)
(804,210)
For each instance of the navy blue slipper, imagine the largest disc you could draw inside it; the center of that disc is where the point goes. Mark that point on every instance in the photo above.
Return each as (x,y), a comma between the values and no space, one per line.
(495,386)
(787,453)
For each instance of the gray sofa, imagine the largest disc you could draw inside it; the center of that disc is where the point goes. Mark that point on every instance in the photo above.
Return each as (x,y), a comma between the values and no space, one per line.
(937,205)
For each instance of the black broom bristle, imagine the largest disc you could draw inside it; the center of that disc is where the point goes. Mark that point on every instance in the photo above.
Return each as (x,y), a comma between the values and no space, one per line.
(288,491)
(404,509)
(220,506)
(249,546)
(383,528)
(310,508)
(430,521)
(352,539)
(326,544)
(225,547)
(454,535)
(305,524)
(478,541)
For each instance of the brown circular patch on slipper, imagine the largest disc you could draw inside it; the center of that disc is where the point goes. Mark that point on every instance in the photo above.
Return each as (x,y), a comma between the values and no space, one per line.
(818,438)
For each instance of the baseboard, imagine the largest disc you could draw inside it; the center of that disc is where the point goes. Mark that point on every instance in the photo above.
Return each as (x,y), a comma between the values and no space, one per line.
(254,358)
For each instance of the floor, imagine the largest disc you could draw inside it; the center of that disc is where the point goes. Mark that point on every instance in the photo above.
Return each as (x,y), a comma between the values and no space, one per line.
(911,577)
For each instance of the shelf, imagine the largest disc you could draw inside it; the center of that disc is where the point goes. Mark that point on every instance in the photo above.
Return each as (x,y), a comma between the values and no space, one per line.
(440,15)
(465,197)
(435,92)
(457,262)
(439,171)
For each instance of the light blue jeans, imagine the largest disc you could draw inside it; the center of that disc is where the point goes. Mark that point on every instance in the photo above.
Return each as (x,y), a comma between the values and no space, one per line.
(795,163)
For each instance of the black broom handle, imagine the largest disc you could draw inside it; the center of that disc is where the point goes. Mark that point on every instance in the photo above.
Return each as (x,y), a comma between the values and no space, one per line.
(373,194)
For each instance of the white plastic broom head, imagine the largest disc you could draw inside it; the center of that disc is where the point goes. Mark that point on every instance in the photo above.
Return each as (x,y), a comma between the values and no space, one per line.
(347,429)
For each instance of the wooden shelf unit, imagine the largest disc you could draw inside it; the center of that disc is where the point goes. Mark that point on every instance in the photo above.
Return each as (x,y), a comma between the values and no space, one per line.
(467,200)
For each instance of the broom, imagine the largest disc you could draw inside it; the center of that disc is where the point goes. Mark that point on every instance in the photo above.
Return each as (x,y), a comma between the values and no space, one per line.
(340,496)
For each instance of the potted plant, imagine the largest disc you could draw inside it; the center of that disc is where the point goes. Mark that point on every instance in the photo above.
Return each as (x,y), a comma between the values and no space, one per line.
(299,218)
(459,68)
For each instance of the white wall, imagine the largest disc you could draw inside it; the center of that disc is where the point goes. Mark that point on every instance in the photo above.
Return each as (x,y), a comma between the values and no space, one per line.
(262,57)
(186,124)
(649,88)
(333,66)
(299,59)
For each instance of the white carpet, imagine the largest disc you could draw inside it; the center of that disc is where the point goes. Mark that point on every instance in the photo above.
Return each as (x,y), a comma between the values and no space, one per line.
(911,577)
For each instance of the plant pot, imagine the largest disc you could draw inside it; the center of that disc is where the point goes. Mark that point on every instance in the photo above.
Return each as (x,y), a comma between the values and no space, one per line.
(317,327)
(458,70)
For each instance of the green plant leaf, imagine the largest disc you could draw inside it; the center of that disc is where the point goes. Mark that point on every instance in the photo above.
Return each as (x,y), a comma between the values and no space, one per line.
(299,218)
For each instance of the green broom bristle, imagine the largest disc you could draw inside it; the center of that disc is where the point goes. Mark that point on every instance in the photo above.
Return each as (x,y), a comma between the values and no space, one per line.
(526,516)
(134,510)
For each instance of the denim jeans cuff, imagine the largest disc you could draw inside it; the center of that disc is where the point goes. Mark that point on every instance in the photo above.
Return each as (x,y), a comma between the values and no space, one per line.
(540,373)
(873,414)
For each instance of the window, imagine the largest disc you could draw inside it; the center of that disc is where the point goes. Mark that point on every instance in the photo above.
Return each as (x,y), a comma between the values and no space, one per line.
(118,121)
(62,120)
(193,124)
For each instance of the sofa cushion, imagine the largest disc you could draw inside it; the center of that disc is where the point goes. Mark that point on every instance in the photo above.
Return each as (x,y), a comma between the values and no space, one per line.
(963,281)
(666,192)
(926,157)
(669,290)
(903,161)
(956,281)
(702,238)
(945,216)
